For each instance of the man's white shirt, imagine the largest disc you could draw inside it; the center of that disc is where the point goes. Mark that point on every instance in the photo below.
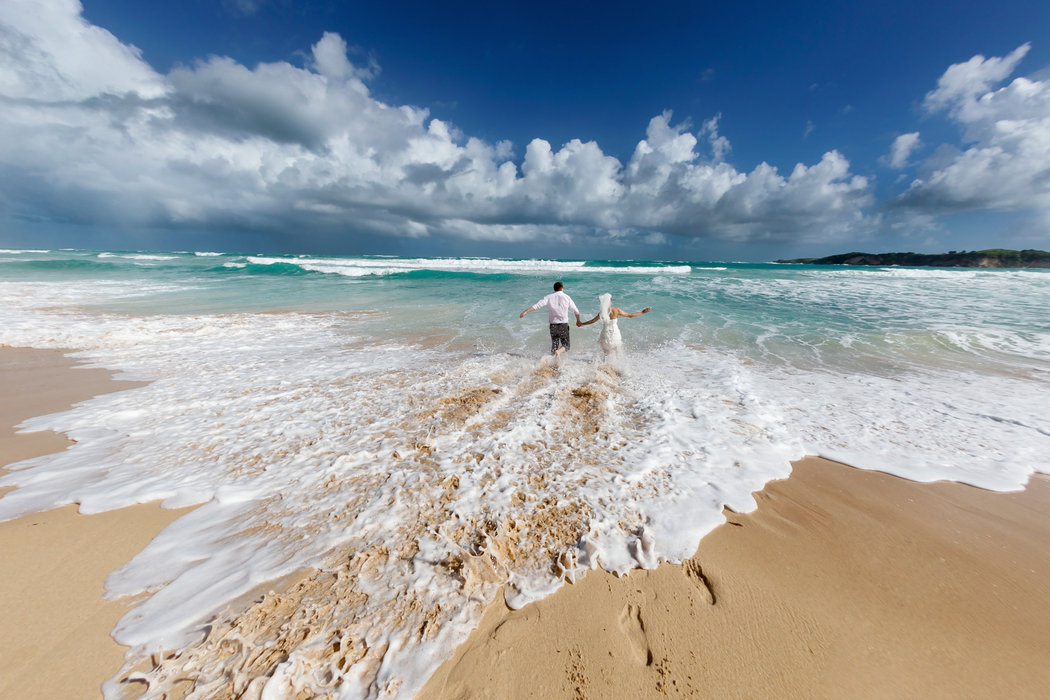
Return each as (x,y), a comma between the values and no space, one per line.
(558,306)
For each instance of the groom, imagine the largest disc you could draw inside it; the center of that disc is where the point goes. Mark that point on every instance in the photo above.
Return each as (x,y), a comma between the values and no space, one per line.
(558,305)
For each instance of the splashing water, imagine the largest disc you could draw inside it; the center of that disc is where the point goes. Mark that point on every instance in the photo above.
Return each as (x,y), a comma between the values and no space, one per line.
(397,455)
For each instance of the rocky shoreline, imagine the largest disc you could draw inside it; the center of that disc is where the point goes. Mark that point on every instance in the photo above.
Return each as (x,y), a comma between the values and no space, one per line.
(975,258)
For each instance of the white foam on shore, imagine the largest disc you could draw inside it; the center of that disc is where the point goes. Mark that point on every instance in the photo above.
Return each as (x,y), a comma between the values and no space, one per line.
(413,482)
(303,445)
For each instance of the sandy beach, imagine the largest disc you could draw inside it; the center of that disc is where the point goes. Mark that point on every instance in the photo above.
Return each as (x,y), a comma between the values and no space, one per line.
(54,624)
(844,583)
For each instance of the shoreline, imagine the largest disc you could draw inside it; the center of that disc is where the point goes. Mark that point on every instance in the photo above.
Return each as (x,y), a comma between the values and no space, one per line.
(54,623)
(843,582)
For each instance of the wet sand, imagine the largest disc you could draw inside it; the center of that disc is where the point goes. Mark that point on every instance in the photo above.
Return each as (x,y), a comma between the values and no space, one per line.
(54,624)
(843,583)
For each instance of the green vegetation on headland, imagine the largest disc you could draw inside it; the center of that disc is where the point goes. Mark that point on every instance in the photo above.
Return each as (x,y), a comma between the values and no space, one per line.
(993,257)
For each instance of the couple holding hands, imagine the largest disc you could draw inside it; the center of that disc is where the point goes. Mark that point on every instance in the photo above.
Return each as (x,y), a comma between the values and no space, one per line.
(558,306)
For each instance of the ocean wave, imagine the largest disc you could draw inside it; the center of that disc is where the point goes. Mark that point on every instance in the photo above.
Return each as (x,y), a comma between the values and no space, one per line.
(359,267)
(136,256)
(56,264)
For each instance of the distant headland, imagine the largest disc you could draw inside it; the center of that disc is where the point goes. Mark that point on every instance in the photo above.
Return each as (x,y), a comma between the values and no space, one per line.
(993,257)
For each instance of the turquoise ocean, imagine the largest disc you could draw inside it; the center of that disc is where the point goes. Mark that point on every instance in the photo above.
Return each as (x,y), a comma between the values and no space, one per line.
(392,428)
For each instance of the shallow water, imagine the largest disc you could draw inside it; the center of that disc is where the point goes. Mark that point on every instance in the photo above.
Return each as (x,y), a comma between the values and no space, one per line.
(391,427)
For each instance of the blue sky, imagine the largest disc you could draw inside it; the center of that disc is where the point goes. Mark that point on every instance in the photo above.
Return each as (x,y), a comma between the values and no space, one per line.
(660,130)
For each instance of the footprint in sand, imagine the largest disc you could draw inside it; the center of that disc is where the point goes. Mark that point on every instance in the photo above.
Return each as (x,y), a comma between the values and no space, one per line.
(695,573)
(634,629)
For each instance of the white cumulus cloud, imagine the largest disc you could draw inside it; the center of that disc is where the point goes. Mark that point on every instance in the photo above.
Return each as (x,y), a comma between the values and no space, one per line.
(901,150)
(1003,160)
(670,187)
(91,133)
(49,52)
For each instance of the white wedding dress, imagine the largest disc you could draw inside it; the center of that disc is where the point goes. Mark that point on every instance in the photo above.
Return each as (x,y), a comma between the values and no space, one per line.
(609,340)
(610,337)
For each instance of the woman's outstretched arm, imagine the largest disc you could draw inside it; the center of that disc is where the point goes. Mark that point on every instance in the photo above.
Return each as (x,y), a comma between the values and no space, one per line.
(586,323)
(637,313)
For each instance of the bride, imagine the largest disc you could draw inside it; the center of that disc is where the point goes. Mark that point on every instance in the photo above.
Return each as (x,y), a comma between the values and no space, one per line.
(609,339)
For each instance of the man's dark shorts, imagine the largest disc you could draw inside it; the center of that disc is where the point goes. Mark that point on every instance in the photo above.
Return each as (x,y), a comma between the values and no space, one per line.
(559,336)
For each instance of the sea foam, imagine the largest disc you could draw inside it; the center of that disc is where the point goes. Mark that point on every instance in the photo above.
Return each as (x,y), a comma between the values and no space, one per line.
(398,486)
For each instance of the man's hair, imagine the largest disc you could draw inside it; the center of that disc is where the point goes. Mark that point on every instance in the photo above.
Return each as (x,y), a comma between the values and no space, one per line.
(558,286)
